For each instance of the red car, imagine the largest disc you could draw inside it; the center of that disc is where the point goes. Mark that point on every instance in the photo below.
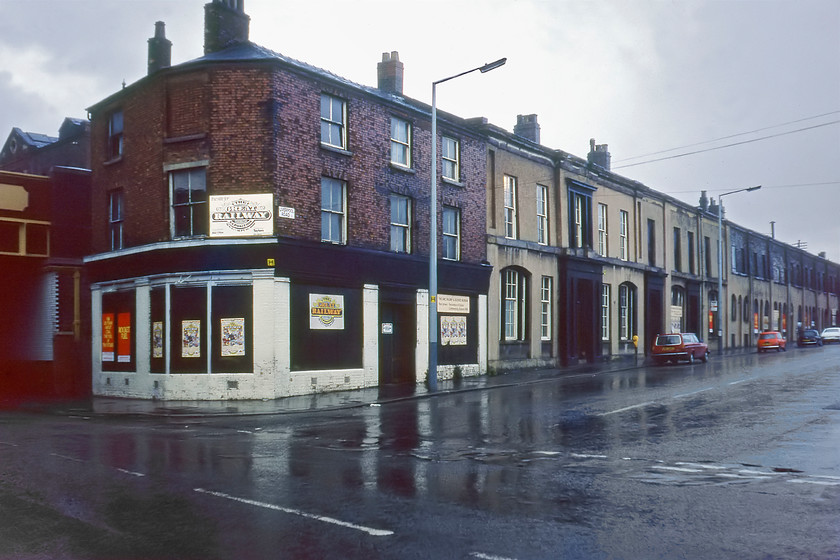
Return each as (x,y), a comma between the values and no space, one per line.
(679,346)
(771,340)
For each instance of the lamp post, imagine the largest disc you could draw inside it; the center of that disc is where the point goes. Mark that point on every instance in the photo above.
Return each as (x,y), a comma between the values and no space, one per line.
(720,302)
(433,327)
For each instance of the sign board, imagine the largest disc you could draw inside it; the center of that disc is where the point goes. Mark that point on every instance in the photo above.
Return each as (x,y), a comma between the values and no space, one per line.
(326,312)
(387,328)
(286,212)
(453,304)
(241,215)
(713,305)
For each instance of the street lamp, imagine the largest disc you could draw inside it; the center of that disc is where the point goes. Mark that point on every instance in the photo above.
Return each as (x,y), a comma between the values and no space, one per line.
(721,301)
(433,327)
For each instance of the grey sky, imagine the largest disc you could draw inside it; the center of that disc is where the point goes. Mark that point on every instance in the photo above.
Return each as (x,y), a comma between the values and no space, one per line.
(643,76)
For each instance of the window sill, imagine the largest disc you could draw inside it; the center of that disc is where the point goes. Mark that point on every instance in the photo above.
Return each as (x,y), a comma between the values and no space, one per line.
(452,182)
(404,169)
(186,138)
(336,149)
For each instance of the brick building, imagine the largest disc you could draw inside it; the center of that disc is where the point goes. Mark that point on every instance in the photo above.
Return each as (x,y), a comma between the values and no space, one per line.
(260,228)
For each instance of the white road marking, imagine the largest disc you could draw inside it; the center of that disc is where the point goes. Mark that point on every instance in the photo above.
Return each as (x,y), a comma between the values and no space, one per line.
(626,408)
(489,556)
(132,473)
(368,530)
(587,456)
(819,482)
(66,457)
(683,395)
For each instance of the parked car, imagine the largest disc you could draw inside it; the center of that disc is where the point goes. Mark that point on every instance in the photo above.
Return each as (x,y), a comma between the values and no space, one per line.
(831,334)
(809,337)
(771,340)
(679,346)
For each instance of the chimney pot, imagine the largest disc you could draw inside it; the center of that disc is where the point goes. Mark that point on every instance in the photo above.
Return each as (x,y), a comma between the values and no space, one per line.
(527,127)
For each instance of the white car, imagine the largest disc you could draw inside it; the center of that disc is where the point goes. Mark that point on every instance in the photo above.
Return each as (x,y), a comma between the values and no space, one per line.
(831,334)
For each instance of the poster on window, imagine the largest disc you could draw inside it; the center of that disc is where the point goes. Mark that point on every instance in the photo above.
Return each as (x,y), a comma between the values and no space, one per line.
(326,312)
(453,330)
(157,339)
(676,318)
(124,337)
(191,338)
(248,215)
(233,336)
(755,323)
(108,343)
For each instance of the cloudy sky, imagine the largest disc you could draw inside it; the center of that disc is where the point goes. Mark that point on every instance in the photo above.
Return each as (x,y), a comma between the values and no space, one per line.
(689,96)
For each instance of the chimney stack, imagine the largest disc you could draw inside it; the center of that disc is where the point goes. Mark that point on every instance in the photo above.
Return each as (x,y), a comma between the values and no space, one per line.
(225,24)
(599,155)
(160,49)
(527,127)
(704,201)
(390,73)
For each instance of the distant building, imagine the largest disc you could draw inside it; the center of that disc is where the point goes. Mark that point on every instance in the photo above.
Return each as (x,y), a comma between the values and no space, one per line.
(37,154)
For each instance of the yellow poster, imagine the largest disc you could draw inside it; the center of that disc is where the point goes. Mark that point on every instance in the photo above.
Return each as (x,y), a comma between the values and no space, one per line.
(233,336)
(191,338)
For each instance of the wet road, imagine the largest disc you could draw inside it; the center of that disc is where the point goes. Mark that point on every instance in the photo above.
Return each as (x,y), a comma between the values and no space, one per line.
(737,458)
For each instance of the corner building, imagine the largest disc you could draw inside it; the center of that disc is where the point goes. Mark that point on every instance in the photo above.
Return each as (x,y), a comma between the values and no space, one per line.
(261,228)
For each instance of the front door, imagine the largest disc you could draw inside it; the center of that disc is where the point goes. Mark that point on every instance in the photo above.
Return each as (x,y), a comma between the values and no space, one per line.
(397,343)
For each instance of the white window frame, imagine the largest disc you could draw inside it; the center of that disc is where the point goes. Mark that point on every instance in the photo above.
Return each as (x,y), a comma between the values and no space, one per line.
(625,311)
(605,312)
(542,214)
(401,142)
(333,126)
(450,237)
(602,230)
(546,308)
(400,223)
(578,204)
(450,154)
(510,207)
(116,127)
(623,233)
(116,209)
(193,206)
(513,307)
(332,210)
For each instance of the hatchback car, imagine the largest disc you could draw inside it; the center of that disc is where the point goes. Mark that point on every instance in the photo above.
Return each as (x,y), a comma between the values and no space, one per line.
(831,334)
(679,346)
(809,337)
(771,340)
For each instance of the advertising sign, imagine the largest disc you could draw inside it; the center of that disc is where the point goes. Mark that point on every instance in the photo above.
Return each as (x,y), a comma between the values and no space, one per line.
(755,322)
(453,330)
(191,338)
(233,336)
(676,318)
(157,339)
(326,312)
(124,337)
(453,304)
(241,215)
(108,345)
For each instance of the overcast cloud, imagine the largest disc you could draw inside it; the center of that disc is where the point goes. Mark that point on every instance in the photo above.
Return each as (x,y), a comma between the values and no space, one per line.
(643,76)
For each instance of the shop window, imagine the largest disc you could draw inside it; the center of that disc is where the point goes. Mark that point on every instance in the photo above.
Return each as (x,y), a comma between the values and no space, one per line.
(118,318)
(188,329)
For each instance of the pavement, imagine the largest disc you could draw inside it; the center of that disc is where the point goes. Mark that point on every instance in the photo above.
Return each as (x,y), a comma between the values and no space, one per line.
(372,396)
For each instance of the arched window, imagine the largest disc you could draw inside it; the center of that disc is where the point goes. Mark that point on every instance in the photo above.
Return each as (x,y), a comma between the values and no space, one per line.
(677,309)
(733,309)
(514,283)
(626,311)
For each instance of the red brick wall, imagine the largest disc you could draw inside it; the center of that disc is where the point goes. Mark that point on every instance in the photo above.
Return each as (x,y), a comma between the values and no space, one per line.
(259,126)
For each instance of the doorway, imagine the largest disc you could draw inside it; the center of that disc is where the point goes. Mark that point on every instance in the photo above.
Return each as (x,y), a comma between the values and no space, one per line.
(397,343)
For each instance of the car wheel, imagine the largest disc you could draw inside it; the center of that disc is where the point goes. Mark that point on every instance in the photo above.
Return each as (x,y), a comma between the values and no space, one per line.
(779,349)
(691,357)
(705,356)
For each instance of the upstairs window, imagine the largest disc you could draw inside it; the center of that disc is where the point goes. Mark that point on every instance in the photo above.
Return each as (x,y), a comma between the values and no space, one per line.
(189,202)
(510,206)
(542,214)
(677,249)
(580,215)
(114,149)
(623,235)
(400,224)
(451,159)
(333,211)
(115,219)
(602,230)
(400,142)
(451,233)
(333,122)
